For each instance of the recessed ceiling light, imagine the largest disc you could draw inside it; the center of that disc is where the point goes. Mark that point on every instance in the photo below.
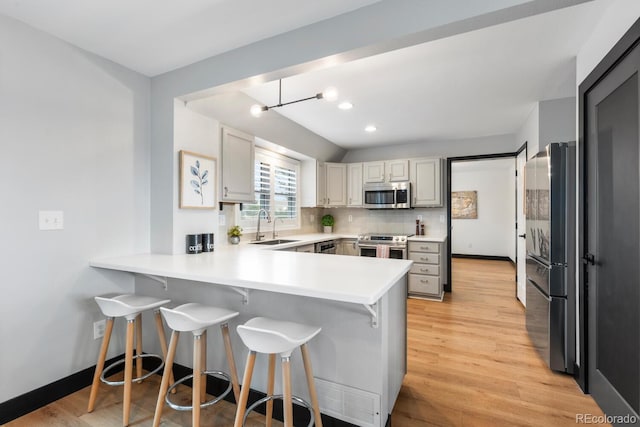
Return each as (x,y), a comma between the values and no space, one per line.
(370,128)
(346,105)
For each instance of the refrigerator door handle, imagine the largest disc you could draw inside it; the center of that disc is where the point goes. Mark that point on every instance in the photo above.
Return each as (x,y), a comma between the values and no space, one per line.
(589,259)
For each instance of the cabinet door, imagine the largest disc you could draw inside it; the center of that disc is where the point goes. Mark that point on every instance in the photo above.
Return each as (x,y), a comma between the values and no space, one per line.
(373,172)
(321,184)
(350,247)
(237,167)
(397,170)
(426,178)
(354,184)
(336,184)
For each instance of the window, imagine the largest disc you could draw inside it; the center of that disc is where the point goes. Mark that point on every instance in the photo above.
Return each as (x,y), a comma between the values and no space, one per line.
(276,191)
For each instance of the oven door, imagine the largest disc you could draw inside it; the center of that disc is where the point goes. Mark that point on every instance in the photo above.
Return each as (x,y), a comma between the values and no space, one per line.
(395,252)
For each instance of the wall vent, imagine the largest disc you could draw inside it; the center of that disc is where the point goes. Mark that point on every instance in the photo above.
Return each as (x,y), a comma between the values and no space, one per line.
(348,404)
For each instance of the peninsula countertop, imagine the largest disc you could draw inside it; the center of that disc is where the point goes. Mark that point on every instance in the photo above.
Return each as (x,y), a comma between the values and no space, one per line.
(349,279)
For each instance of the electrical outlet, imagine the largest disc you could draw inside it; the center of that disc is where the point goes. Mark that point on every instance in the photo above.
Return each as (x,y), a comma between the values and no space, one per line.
(98,328)
(222,219)
(419,217)
(312,218)
(350,218)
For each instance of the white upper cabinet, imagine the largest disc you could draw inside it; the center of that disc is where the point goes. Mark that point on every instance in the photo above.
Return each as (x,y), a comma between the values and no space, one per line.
(426,180)
(321,184)
(336,184)
(389,171)
(373,172)
(237,177)
(397,170)
(354,184)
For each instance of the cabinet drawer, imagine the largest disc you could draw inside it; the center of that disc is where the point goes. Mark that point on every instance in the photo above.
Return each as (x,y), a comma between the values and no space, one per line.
(424,247)
(424,284)
(430,269)
(424,257)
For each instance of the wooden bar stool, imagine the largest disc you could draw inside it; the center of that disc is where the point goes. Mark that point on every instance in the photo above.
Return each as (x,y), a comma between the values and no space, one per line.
(195,318)
(131,308)
(263,335)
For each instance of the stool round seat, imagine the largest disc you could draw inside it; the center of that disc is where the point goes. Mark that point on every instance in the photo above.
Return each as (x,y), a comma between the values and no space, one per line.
(264,335)
(128,305)
(195,318)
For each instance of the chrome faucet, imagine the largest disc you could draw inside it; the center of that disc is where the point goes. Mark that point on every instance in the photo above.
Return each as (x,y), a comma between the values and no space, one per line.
(274,226)
(268,218)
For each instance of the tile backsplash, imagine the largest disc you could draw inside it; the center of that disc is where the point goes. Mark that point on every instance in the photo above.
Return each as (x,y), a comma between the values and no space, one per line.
(399,221)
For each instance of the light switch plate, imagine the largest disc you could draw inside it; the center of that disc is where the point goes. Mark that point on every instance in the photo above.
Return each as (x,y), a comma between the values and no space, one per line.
(51,220)
(222,219)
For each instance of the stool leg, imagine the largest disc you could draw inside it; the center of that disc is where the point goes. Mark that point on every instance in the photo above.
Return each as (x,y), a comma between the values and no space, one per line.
(167,377)
(128,373)
(203,384)
(286,386)
(139,345)
(100,365)
(231,361)
(197,379)
(312,384)
(246,386)
(271,379)
(163,342)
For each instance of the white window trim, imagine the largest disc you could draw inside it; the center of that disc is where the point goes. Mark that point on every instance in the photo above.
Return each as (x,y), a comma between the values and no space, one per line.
(250,224)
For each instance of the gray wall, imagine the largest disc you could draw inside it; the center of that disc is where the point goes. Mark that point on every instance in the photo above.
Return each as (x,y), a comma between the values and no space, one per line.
(75,137)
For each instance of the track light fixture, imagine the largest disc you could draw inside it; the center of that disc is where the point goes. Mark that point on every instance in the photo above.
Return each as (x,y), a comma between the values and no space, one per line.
(330,94)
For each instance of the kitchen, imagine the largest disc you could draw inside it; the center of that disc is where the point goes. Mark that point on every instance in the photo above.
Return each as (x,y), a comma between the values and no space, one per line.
(123,179)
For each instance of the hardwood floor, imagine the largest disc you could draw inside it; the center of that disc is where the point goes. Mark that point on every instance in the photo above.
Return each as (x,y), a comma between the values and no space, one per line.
(470,364)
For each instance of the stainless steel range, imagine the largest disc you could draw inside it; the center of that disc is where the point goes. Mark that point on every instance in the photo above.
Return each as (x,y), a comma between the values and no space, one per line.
(368,244)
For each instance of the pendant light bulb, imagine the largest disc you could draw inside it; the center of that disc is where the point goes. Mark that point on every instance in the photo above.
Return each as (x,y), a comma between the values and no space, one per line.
(256,110)
(330,94)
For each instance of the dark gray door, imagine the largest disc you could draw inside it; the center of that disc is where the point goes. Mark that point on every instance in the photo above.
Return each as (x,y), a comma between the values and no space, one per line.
(613,221)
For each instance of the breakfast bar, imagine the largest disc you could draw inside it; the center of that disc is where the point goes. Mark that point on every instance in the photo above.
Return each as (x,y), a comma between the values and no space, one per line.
(359,358)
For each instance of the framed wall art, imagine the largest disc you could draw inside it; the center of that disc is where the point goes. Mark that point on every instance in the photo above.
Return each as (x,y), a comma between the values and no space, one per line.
(197,181)
(464,205)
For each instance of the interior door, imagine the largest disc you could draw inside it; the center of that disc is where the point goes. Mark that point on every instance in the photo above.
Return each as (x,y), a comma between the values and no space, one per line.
(521,229)
(612,238)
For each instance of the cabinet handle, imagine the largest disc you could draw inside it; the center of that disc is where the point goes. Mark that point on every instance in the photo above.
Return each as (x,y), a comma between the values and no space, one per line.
(328,201)
(424,281)
(423,259)
(226,191)
(349,200)
(424,248)
(424,270)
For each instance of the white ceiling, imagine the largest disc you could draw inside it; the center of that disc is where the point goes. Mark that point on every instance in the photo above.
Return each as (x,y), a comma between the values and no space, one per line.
(475,84)
(156,36)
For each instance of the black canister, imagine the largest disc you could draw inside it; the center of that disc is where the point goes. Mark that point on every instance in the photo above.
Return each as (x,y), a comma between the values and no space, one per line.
(207,242)
(194,243)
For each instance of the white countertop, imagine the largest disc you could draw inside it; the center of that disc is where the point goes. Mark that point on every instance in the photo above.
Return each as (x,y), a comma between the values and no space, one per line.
(350,279)
(438,239)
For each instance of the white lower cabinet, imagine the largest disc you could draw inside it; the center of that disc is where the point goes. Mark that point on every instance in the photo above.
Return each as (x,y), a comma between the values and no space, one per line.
(348,247)
(426,274)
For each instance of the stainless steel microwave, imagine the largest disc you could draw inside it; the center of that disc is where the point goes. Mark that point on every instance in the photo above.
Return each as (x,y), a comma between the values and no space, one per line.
(388,195)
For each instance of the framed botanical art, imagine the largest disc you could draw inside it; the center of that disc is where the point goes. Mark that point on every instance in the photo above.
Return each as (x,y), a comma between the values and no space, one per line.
(197,181)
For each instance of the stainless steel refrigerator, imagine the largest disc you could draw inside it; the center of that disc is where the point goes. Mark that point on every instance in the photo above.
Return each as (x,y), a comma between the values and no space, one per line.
(550,236)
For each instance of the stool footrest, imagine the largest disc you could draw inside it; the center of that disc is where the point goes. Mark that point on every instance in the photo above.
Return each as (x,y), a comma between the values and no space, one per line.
(218,374)
(294,399)
(122,361)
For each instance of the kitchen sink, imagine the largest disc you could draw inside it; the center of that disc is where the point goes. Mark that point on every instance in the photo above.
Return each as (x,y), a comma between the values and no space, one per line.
(274,242)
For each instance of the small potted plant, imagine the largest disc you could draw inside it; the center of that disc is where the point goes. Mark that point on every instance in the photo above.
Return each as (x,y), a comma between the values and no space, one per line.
(234,234)
(327,223)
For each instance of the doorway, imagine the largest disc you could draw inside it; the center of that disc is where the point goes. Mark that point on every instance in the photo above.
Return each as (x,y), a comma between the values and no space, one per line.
(610,229)
(481,208)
